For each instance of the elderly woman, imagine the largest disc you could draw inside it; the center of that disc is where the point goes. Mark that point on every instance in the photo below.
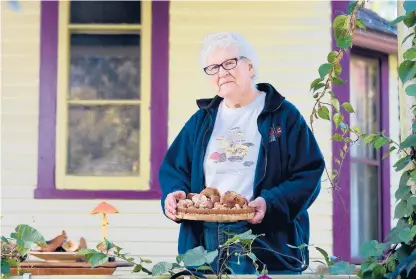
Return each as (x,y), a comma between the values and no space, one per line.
(279,172)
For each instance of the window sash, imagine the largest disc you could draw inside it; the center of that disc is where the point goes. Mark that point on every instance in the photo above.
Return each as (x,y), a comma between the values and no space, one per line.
(64,181)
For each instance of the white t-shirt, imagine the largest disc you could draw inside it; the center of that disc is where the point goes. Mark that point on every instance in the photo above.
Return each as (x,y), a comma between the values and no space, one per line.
(231,157)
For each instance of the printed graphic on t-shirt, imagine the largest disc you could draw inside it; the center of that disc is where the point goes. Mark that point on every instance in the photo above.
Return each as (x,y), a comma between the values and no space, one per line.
(232,148)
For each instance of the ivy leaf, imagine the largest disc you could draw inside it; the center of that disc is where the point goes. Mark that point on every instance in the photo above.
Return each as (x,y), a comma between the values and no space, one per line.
(408,142)
(402,192)
(407,69)
(344,42)
(397,20)
(407,234)
(347,106)
(332,56)
(368,266)
(411,202)
(360,24)
(323,112)
(98,259)
(402,163)
(210,257)
(86,251)
(337,137)
(5,267)
(337,69)
(410,54)
(338,119)
(401,210)
(379,271)
(137,268)
(324,69)
(340,26)
(315,82)
(26,236)
(179,258)
(338,81)
(411,90)
(380,142)
(318,86)
(388,152)
(161,268)
(335,103)
(324,254)
(351,7)
(195,256)
(341,267)
(372,248)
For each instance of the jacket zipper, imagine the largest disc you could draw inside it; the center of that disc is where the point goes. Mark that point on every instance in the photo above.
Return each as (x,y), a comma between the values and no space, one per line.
(262,142)
(203,151)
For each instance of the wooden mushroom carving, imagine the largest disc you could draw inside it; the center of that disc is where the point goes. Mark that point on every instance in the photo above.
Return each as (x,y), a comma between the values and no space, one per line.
(104,208)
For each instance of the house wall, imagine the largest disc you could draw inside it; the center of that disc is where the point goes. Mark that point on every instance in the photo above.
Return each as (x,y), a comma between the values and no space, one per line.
(280,31)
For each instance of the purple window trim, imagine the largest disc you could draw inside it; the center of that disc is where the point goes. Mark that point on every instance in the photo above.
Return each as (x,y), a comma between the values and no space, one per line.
(47,107)
(341,198)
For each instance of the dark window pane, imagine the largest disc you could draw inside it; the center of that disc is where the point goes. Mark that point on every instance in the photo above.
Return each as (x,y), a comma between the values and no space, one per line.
(364,205)
(103,140)
(364,86)
(105,67)
(112,12)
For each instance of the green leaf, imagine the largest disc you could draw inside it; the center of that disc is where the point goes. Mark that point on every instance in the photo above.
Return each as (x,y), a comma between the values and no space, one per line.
(410,54)
(318,86)
(351,7)
(210,257)
(397,20)
(411,90)
(108,244)
(161,268)
(380,142)
(406,234)
(379,271)
(87,251)
(402,163)
(409,6)
(337,137)
(344,42)
(338,119)
(338,81)
(337,69)
(252,257)
(341,267)
(195,256)
(324,69)
(410,20)
(368,266)
(332,56)
(324,254)
(323,112)
(356,130)
(360,24)
(137,268)
(5,267)
(401,210)
(372,248)
(4,240)
(98,259)
(407,37)
(408,142)
(335,103)
(315,82)
(26,236)
(340,26)
(179,258)
(407,70)
(347,106)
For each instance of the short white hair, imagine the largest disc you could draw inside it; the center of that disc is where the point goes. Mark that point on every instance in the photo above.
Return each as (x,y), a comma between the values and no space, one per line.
(228,39)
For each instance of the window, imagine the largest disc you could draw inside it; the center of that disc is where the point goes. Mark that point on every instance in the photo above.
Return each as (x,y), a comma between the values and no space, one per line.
(362,204)
(97,82)
(103,92)
(365,161)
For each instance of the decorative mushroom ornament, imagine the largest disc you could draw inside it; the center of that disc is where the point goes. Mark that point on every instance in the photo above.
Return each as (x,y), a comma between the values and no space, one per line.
(104,208)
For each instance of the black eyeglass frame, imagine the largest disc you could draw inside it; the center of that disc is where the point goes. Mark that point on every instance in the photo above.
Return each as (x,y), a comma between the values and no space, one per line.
(222,65)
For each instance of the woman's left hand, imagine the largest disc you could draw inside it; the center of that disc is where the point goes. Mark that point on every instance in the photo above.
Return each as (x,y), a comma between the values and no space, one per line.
(260,205)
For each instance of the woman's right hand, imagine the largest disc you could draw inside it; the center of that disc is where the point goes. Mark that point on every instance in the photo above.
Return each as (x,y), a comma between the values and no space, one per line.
(171,203)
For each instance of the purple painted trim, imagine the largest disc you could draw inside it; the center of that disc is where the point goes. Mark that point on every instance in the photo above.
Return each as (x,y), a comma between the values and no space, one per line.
(47,107)
(341,197)
(342,227)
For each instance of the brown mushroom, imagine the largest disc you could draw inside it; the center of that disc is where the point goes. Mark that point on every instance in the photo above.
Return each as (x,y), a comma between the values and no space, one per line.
(104,208)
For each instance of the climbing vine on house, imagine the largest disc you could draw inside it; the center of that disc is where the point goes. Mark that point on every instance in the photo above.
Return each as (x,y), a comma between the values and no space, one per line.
(397,255)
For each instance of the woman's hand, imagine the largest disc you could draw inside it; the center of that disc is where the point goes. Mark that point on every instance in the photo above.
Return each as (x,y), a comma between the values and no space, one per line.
(260,205)
(171,203)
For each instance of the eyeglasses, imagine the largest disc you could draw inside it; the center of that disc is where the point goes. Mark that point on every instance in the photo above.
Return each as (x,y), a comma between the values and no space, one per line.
(226,65)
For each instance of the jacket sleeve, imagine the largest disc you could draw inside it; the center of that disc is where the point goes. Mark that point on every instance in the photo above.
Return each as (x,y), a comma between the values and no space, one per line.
(175,169)
(306,165)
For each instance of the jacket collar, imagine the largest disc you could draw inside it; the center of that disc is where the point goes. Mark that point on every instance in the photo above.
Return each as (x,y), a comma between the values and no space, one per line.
(272,102)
